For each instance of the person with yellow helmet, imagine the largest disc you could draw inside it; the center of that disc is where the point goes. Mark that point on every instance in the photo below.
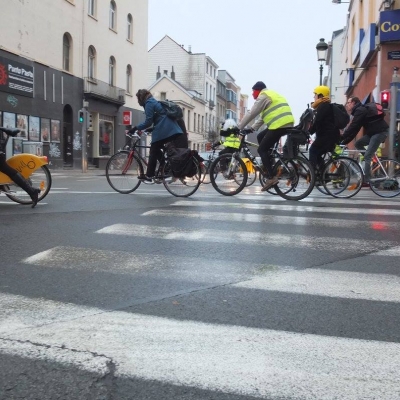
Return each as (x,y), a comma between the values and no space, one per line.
(273,110)
(327,135)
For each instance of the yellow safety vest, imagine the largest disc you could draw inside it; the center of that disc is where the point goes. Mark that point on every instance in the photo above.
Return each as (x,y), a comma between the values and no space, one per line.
(232,141)
(278,113)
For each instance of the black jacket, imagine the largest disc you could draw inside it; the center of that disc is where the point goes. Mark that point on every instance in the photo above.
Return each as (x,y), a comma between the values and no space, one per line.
(362,119)
(324,126)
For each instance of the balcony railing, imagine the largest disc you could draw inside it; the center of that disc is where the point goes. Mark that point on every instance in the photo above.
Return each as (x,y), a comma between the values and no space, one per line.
(104,91)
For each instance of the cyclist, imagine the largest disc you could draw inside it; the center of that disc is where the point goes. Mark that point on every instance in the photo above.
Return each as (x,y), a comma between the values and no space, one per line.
(165,130)
(231,142)
(375,131)
(272,110)
(16,177)
(327,135)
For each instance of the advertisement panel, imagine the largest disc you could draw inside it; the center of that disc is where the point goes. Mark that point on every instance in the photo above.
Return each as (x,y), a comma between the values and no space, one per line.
(16,78)
(127,117)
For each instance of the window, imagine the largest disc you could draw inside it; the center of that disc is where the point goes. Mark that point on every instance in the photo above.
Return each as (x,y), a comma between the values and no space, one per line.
(129,79)
(113,11)
(111,71)
(66,51)
(92,7)
(163,96)
(106,135)
(129,27)
(91,63)
(194,122)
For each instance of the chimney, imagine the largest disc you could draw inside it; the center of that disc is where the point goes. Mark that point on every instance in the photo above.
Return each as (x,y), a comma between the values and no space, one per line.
(190,49)
(158,74)
(173,73)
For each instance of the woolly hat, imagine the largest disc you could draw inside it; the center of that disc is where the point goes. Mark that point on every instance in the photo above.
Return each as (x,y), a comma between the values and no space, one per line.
(259,86)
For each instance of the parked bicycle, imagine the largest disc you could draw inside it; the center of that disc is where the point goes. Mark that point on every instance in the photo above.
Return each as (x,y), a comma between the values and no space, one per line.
(33,168)
(124,167)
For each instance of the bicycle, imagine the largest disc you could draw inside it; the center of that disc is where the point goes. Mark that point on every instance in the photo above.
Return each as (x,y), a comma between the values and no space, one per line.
(33,168)
(385,173)
(124,167)
(251,172)
(295,175)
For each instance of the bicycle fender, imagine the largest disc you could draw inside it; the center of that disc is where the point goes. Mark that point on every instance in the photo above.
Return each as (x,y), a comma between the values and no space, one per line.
(25,164)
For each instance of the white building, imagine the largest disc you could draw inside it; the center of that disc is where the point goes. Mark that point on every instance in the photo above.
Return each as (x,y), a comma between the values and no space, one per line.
(92,50)
(197,73)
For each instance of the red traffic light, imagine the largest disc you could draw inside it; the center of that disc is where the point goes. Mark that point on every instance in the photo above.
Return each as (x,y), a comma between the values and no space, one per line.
(385,99)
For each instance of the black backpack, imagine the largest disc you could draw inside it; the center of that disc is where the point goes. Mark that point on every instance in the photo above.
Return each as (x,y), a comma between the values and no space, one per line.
(172,109)
(183,162)
(340,116)
(375,111)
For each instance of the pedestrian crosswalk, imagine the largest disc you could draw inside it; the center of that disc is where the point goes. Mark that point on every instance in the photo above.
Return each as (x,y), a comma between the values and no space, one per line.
(219,323)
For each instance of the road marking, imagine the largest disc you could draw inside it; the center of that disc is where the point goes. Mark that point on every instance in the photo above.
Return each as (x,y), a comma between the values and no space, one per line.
(248,238)
(229,359)
(287,207)
(275,219)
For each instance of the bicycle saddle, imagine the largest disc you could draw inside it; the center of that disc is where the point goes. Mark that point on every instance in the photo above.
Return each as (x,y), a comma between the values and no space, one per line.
(10,132)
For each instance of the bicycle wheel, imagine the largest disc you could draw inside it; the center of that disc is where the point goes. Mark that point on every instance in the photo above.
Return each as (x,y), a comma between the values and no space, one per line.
(41,179)
(296,178)
(342,177)
(229,180)
(122,172)
(251,177)
(184,186)
(386,184)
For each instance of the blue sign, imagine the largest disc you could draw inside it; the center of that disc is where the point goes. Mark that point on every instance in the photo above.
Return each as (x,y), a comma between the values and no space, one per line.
(389,26)
(394,55)
(367,46)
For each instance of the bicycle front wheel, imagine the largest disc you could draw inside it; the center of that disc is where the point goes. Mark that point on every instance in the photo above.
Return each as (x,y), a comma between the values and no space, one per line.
(183,186)
(122,171)
(386,184)
(228,174)
(342,177)
(40,179)
(296,178)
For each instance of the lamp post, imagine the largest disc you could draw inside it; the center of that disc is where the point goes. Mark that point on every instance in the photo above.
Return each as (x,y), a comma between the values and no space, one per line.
(322,49)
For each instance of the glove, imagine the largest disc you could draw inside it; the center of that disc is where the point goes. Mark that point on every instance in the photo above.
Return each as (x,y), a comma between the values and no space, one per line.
(132,130)
(248,130)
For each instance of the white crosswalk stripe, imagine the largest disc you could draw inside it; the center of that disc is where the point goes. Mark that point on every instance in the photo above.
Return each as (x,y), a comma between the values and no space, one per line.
(232,359)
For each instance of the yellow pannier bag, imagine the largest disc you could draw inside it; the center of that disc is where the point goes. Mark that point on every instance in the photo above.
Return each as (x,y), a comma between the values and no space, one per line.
(249,165)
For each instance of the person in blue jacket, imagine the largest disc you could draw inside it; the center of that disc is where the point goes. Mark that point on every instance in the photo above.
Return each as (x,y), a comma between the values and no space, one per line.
(165,130)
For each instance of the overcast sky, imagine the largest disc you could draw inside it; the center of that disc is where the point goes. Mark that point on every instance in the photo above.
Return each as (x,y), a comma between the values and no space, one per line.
(269,40)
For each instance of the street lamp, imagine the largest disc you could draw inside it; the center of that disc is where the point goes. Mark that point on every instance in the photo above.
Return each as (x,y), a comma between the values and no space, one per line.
(322,49)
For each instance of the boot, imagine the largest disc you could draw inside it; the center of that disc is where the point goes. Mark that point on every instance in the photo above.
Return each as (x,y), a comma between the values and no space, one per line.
(24,184)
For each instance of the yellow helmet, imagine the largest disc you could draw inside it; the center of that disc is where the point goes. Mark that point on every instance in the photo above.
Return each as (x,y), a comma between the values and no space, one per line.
(324,90)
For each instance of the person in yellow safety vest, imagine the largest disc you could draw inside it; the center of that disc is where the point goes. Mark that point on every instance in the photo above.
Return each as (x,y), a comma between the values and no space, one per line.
(274,111)
(231,142)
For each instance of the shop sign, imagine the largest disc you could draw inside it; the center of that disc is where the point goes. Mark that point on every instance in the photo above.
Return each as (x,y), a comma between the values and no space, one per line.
(394,55)
(127,117)
(16,77)
(367,46)
(389,26)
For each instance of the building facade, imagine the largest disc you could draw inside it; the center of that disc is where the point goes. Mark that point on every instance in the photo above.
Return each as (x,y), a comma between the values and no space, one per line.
(370,48)
(94,56)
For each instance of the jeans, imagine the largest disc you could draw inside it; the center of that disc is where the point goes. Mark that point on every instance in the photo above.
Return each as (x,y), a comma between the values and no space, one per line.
(373,143)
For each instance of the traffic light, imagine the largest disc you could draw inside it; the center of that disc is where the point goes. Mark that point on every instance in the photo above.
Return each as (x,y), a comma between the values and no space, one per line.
(385,99)
(81,117)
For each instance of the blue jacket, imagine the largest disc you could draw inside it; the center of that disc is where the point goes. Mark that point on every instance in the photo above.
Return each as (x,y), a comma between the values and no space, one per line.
(164,127)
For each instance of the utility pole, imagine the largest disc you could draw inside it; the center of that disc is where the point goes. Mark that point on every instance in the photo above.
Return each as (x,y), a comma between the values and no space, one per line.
(394,88)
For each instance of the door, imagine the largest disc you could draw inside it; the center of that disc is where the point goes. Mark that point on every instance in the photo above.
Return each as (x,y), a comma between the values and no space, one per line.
(68,137)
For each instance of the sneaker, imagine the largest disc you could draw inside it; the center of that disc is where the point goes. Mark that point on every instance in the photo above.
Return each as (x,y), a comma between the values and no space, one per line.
(145,178)
(269,183)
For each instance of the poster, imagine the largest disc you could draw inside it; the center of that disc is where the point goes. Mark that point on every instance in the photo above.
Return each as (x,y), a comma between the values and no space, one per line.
(34,129)
(45,129)
(17,146)
(8,120)
(22,125)
(55,131)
